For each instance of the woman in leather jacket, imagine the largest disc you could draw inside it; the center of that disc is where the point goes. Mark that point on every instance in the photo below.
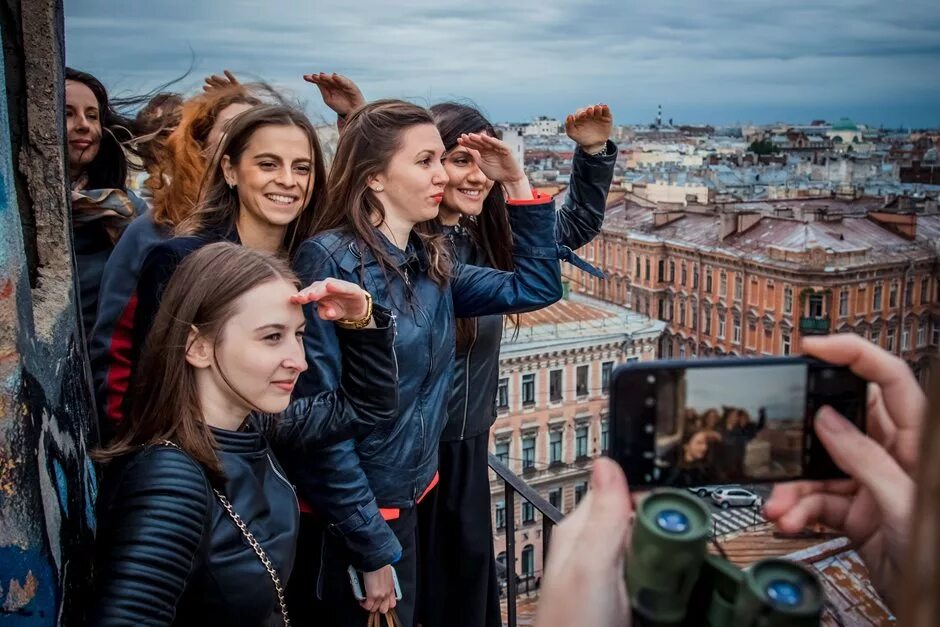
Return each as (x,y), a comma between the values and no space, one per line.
(458,562)
(386,178)
(196,522)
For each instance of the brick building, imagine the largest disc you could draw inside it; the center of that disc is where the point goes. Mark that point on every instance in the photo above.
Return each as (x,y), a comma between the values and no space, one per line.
(552,406)
(753,280)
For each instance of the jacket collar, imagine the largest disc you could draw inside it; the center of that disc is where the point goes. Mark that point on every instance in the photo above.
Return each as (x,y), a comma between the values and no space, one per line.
(413,258)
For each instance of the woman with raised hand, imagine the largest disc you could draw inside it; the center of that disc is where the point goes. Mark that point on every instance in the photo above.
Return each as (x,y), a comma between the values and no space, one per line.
(387,177)
(196,522)
(266,180)
(460,585)
(102,206)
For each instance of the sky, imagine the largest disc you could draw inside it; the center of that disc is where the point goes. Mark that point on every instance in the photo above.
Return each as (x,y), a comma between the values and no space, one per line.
(722,62)
(781,389)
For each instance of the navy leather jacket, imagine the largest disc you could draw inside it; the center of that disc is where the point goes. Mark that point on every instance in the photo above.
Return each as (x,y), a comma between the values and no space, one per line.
(472,408)
(393,466)
(169,554)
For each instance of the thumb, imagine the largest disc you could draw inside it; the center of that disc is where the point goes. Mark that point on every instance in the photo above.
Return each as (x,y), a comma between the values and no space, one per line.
(864,460)
(610,508)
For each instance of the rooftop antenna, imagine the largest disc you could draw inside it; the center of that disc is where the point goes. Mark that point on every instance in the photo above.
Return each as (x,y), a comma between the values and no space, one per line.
(659,116)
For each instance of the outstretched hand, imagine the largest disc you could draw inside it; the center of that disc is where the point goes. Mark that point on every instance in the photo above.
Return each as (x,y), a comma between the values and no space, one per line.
(590,127)
(335,299)
(495,160)
(220,82)
(339,93)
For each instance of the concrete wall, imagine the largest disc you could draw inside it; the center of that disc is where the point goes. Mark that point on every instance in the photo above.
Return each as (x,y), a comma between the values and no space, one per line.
(47,484)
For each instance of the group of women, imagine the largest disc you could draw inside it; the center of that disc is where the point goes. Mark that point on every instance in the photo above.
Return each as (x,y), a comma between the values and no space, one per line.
(262,330)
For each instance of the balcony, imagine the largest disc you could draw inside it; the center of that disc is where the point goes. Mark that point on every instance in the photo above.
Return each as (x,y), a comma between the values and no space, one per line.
(815,325)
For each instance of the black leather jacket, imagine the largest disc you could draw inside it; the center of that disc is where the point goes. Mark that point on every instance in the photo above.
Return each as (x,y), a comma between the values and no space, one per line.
(472,408)
(168,553)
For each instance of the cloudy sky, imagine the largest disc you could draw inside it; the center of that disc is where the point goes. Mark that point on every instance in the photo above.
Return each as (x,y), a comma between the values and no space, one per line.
(720,62)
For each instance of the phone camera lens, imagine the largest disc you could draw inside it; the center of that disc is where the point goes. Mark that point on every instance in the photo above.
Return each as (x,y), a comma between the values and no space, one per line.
(650,401)
(784,593)
(672,521)
(828,374)
(651,379)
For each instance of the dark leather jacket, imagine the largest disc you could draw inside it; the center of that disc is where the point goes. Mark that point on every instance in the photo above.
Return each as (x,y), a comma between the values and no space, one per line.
(392,466)
(169,554)
(472,408)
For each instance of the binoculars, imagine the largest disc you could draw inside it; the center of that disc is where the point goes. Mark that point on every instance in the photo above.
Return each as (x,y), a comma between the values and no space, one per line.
(673,581)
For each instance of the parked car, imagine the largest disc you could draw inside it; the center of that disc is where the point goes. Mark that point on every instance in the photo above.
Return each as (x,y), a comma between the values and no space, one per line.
(706,490)
(735,497)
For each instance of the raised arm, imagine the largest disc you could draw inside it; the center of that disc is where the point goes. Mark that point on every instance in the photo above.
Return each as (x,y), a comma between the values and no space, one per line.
(150,529)
(592,170)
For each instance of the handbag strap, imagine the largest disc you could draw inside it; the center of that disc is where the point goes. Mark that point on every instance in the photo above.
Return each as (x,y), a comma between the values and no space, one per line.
(391,619)
(254,544)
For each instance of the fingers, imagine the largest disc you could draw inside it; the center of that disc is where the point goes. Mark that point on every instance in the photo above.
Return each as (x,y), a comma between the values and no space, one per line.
(828,509)
(598,111)
(879,425)
(231,77)
(386,604)
(481,142)
(785,496)
(903,398)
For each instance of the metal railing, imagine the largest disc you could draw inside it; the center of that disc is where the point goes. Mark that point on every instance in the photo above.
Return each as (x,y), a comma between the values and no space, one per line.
(514,484)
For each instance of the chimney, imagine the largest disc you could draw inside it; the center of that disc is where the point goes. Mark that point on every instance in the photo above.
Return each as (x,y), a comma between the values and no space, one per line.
(728,225)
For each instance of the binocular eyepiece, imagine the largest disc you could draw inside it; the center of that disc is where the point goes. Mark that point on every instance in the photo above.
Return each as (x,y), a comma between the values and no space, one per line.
(673,581)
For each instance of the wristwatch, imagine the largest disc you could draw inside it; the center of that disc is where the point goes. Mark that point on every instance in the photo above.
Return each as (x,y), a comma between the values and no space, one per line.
(362,322)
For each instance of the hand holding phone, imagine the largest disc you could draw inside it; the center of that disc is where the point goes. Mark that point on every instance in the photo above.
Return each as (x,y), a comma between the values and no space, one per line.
(376,591)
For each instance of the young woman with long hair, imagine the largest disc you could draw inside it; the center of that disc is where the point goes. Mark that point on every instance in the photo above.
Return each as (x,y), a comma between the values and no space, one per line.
(197,523)
(387,177)
(266,181)
(456,532)
(102,206)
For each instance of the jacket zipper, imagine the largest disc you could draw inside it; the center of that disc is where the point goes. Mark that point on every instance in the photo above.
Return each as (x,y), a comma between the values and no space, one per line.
(466,383)
(284,479)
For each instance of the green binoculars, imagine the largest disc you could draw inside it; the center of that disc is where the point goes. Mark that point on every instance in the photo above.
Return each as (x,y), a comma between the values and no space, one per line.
(673,580)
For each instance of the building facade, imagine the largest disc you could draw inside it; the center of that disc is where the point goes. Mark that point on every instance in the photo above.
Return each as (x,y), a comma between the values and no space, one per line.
(552,405)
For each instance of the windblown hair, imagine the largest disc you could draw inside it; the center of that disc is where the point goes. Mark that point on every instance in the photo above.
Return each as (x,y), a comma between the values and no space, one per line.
(108,170)
(490,230)
(200,296)
(155,121)
(371,137)
(179,176)
(218,204)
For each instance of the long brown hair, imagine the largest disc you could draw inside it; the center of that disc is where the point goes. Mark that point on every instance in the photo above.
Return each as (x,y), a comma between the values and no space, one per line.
(201,294)
(180,173)
(920,603)
(218,205)
(370,139)
(490,230)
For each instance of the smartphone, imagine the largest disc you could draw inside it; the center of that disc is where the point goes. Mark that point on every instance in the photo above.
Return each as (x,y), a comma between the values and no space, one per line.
(359,586)
(727,421)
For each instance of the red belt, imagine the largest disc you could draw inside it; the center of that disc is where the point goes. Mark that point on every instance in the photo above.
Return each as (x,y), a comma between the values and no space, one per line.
(388,513)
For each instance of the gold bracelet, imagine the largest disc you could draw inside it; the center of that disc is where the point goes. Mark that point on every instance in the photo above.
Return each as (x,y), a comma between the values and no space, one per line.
(362,322)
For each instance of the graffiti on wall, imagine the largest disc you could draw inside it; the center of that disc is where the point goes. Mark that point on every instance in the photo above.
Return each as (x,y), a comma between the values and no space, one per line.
(47,483)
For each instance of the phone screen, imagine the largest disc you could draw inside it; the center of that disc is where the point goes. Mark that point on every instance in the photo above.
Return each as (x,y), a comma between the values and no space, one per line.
(728,421)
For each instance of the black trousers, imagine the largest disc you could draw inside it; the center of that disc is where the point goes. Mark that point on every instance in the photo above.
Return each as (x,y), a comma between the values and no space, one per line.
(458,566)
(305,608)
(337,606)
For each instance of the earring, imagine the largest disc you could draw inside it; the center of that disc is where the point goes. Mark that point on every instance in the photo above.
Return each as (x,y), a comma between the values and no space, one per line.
(231,185)
(378,188)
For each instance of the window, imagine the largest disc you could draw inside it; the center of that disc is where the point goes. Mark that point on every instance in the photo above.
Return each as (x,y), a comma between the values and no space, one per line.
(502,393)
(661,308)
(682,309)
(752,334)
(581,442)
(681,351)
(843,303)
(554,386)
(528,452)
(921,335)
(647,268)
(909,293)
(935,339)
(605,435)
(708,280)
(876,298)
(893,295)
(502,451)
(721,326)
(738,287)
(737,331)
(924,289)
(876,336)
(784,343)
(500,515)
(579,491)
(528,561)
(694,308)
(672,271)
(554,497)
(892,333)
(581,388)
(707,314)
(661,274)
(770,294)
(528,389)
(554,446)
(528,512)
(788,300)
(606,368)
(815,305)
(637,260)
(905,338)
(683,275)
(723,285)
(695,277)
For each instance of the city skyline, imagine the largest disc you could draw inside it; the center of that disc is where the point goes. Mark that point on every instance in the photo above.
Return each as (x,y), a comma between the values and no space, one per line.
(740,62)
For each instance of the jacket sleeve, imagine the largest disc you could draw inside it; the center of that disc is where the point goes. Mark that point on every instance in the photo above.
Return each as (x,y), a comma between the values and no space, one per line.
(331,480)
(582,214)
(536,280)
(367,396)
(149,535)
